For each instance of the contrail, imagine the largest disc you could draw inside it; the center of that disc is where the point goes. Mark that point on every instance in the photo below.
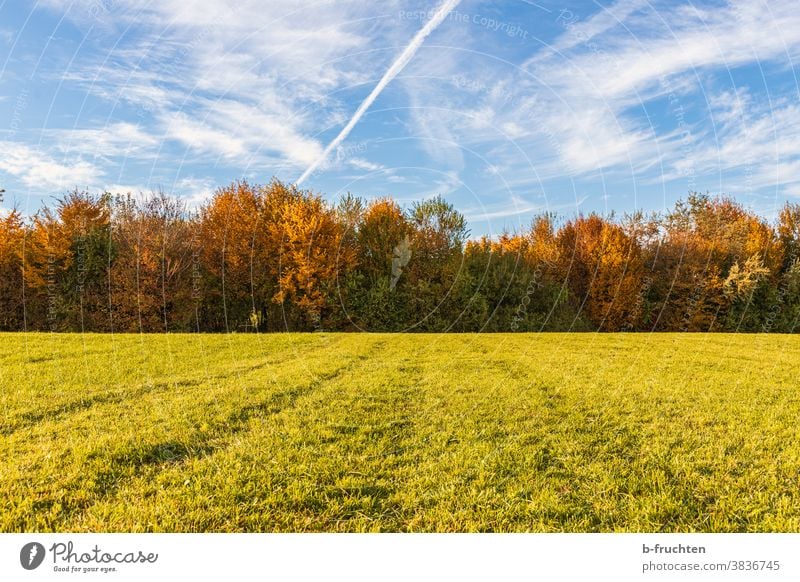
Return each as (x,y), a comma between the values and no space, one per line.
(397,66)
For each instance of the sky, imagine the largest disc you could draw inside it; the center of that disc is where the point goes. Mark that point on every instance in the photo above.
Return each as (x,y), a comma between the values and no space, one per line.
(507,109)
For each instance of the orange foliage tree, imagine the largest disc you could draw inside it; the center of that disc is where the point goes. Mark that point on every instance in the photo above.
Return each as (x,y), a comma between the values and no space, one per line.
(604,268)
(12,240)
(274,257)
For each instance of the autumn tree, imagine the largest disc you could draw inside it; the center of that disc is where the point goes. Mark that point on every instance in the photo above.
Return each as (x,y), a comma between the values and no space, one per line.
(372,294)
(307,236)
(274,257)
(151,286)
(603,266)
(435,283)
(383,227)
(234,245)
(789,234)
(12,241)
(703,239)
(68,255)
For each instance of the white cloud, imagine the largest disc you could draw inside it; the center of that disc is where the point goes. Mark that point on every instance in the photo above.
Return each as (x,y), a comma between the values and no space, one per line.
(362,164)
(38,170)
(436,106)
(649,54)
(580,108)
(133,189)
(583,31)
(264,90)
(191,189)
(198,136)
(117,139)
(513,207)
(757,140)
(395,69)
(195,191)
(234,80)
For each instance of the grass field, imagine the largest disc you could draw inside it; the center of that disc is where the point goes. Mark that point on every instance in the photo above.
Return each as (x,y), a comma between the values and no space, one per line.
(356,432)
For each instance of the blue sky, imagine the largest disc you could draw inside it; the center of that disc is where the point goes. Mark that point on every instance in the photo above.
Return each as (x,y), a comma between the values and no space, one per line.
(507,109)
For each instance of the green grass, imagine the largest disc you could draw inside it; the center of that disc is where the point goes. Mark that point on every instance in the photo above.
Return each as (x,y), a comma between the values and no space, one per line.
(356,432)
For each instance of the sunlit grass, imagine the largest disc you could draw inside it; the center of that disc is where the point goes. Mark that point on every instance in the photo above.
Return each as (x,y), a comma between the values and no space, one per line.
(380,432)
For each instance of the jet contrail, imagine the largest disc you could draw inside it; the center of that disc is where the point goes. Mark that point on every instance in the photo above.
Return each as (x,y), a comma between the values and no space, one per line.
(397,66)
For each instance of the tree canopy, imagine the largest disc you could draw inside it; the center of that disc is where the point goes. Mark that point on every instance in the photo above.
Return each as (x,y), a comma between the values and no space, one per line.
(272,257)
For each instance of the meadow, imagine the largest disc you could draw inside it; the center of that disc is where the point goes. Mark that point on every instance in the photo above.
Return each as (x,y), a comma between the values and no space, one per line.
(414,432)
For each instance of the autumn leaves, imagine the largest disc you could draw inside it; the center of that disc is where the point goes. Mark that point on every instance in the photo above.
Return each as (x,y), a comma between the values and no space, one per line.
(273,257)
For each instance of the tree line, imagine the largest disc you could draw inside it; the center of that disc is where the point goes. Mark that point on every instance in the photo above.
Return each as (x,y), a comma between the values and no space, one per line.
(272,257)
